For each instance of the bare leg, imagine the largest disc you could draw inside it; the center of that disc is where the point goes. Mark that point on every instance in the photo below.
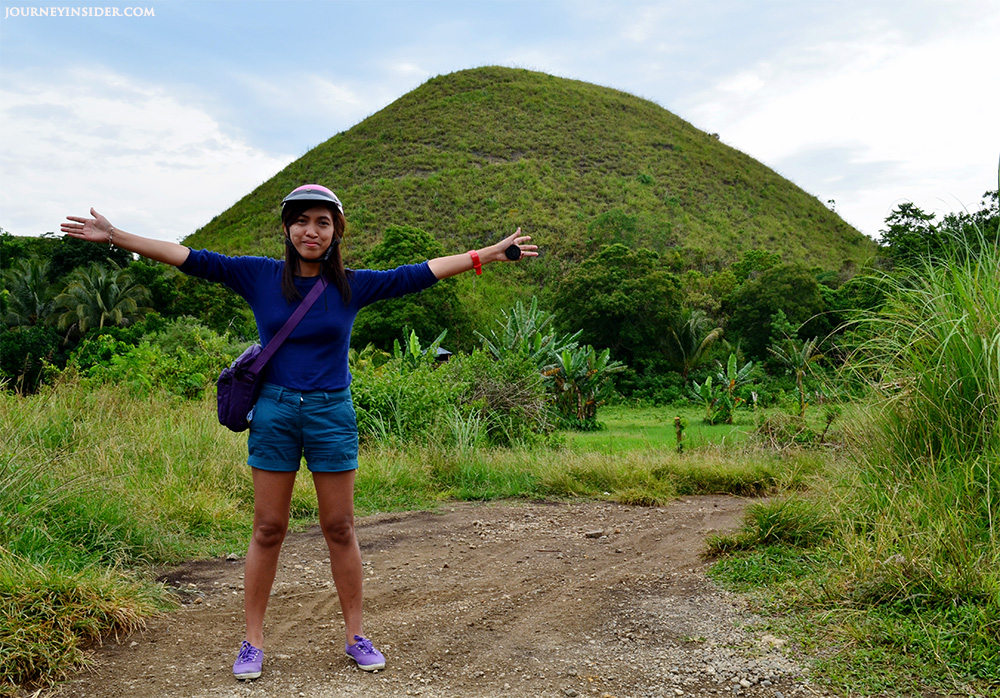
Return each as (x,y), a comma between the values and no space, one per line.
(335,494)
(272,497)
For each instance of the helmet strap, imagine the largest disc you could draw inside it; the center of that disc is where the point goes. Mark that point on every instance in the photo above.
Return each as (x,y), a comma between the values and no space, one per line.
(329,250)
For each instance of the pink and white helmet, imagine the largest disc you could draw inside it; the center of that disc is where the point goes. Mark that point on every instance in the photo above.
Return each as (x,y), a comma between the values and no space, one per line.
(313,192)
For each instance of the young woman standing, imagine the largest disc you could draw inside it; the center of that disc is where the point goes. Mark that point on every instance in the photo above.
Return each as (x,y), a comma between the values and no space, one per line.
(305,408)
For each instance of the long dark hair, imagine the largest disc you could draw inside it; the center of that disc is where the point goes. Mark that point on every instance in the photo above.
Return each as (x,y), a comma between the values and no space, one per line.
(332,267)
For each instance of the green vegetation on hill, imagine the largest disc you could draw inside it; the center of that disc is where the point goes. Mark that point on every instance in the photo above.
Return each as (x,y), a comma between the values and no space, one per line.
(470,154)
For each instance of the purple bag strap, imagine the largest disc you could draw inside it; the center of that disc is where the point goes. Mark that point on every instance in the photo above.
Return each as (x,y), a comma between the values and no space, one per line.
(289,325)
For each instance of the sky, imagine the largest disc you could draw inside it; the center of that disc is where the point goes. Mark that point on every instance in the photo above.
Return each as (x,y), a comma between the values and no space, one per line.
(163,113)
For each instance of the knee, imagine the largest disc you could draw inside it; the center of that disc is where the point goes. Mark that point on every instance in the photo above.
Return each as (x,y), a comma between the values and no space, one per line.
(268,534)
(338,531)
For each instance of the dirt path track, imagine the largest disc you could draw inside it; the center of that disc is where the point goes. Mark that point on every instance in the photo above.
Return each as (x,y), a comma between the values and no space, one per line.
(511,599)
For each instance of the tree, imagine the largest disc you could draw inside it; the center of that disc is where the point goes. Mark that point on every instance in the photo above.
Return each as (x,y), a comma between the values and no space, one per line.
(427,313)
(972,230)
(69,254)
(24,353)
(689,338)
(620,299)
(797,357)
(14,248)
(174,294)
(27,295)
(98,296)
(910,236)
(754,262)
(790,288)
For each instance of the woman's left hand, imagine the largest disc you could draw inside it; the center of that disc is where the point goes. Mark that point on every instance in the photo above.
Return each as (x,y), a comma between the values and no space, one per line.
(498,252)
(443,267)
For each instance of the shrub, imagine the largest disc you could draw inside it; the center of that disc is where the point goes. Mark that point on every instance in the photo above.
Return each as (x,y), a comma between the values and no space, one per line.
(653,385)
(506,396)
(25,352)
(401,400)
(526,332)
(183,358)
(474,399)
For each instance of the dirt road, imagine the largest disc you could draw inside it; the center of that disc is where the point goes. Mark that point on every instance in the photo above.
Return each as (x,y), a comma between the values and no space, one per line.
(512,599)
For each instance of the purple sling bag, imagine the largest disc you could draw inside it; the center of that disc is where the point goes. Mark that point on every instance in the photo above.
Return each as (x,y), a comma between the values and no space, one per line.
(239,385)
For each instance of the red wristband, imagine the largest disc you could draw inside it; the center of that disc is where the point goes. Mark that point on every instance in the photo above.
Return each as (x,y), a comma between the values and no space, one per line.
(476,264)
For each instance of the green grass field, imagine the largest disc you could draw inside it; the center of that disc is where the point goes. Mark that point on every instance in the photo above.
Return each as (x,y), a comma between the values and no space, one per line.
(652,429)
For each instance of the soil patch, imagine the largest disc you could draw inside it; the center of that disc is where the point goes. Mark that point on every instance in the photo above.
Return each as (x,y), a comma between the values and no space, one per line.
(509,599)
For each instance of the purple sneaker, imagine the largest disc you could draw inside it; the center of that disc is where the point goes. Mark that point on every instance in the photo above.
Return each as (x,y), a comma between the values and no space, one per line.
(362,652)
(249,662)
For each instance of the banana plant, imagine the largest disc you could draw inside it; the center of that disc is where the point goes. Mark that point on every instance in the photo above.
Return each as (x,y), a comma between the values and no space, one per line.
(719,397)
(526,331)
(729,380)
(704,394)
(411,353)
(581,381)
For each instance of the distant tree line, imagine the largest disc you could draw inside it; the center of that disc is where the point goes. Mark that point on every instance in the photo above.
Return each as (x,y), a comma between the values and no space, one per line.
(664,321)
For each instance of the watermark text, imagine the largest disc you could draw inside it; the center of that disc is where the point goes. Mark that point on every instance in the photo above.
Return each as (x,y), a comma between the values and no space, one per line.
(12,12)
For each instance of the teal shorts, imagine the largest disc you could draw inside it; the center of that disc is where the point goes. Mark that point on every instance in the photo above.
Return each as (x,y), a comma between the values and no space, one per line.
(287,425)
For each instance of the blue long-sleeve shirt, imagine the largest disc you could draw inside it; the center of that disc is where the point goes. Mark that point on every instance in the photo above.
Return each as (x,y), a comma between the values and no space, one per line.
(314,357)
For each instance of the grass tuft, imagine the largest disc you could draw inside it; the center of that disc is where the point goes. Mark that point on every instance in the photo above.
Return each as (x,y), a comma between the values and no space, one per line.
(786,520)
(47,613)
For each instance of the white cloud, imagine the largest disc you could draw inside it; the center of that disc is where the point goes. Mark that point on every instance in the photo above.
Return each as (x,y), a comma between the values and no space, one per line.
(406,69)
(151,162)
(904,115)
(745,83)
(312,98)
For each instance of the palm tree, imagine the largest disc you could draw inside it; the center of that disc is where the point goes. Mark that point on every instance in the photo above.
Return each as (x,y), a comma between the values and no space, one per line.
(689,339)
(99,296)
(27,296)
(797,357)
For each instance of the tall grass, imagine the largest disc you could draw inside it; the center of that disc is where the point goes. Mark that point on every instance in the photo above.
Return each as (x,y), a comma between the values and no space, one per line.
(47,612)
(95,485)
(925,501)
(919,544)
(897,557)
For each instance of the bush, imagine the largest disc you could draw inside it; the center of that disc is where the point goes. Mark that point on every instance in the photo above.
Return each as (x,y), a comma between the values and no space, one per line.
(397,402)
(653,385)
(474,399)
(25,352)
(505,395)
(183,358)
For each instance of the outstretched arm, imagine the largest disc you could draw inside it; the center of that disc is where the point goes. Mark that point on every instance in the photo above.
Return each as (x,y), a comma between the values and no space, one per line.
(443,267)
(99,229)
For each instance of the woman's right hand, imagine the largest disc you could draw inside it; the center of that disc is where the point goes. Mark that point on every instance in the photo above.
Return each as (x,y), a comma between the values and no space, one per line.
(96,229)
(99,229)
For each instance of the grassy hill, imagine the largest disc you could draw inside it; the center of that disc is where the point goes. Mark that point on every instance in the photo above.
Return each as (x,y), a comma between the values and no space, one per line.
(472,154)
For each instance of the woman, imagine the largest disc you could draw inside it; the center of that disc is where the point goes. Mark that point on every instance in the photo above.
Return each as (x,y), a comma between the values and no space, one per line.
(305,407)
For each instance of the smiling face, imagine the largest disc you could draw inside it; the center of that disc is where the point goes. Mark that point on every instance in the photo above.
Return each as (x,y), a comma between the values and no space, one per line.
(311,232)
